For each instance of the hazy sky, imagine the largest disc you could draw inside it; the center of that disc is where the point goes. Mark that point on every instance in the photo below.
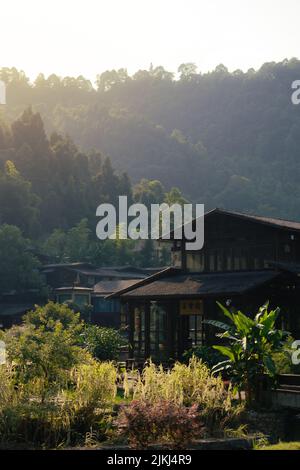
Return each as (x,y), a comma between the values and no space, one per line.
(71,37)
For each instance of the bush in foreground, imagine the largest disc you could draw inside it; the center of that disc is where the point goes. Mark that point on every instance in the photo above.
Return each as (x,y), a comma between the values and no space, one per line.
(145,423)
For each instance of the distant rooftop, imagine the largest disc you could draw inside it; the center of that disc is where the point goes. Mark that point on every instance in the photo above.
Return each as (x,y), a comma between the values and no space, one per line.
(109,287)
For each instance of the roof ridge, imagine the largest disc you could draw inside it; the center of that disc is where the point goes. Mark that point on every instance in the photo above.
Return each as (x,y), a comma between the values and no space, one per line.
(254,215)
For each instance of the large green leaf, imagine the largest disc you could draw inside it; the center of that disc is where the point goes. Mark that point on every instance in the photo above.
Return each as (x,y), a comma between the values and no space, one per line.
(226,351)
(243,323)
(225,310)
(262,310)
(221,366)
(227,335)
(269,319)
(218,324)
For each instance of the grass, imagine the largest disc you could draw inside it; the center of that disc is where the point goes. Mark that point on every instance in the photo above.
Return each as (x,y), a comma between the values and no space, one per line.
(120,399)
(283,446)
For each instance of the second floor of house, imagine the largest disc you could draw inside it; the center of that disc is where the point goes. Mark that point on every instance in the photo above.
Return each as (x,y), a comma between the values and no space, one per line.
(238,242)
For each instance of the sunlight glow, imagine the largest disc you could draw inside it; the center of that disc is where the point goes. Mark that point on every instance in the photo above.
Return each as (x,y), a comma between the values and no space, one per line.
(71,37)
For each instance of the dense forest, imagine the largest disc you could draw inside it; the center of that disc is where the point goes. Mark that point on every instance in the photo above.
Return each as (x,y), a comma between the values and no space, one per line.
(225,139)
(49,192)
(66,145)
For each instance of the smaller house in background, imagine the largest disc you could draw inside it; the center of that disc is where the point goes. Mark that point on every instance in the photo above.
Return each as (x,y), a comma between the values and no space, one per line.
(82,284)
(85,285)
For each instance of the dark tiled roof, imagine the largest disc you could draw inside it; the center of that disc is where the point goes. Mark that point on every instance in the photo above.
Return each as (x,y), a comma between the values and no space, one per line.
(121,274)
(69,265)
(134,269)
(271,221)
(288,224)
(74,288)
(108,287)
(191,285)
(90,270)
(164,272)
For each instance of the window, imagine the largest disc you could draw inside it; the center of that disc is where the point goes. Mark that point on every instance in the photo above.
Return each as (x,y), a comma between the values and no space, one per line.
(229,263)
(80,299)
(243,262)
(195,262)
(211,262)
(219,262)
(139,331)
(191,312)
(195,330)
(64,298)
(158,330)
(107,306)
(236,261)
(201,262)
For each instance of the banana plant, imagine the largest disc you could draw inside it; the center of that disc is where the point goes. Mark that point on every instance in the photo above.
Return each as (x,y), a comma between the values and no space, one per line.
(251,344)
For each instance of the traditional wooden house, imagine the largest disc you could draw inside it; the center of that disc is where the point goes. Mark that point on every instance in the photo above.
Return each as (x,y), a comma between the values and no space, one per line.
(86,285)
(245,261)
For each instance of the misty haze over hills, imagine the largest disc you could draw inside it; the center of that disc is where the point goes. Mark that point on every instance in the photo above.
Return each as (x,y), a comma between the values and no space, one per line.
(224,139)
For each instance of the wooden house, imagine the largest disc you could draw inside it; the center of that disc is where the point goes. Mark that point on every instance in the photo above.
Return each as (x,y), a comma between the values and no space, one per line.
(245,261)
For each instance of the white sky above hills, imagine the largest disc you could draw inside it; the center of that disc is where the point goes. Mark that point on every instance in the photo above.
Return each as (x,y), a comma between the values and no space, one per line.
(71,37)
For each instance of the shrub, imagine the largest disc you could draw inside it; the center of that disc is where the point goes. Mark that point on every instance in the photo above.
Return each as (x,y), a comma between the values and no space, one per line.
(283,359)
(207,354)
(103,343)
(283,363)
(252,343)
(188,385)
(52,391)
(145,423)
(46,345)
(61,417)
(95,383)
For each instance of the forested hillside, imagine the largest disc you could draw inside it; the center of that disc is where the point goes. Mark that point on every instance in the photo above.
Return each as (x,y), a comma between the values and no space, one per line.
(49,192)
(225,139)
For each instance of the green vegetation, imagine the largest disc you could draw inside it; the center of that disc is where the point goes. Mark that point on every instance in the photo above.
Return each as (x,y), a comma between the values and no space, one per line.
(52,390)
(252,343)
(60,388)
(165,422)
(54,393)
(282,446)
(49,192)
(207,354)
(188,385)
(167,140)
(19,266)
(103,343)
(224,139)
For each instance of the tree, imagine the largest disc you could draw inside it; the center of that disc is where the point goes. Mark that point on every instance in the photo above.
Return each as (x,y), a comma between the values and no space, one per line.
(18,204)
(149,192)
(19,267)
(54,246)
(70,246)
(77,245)
(46,345)
(108,79)
(175,196)
(29,129)
(187,71)
(252,342)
